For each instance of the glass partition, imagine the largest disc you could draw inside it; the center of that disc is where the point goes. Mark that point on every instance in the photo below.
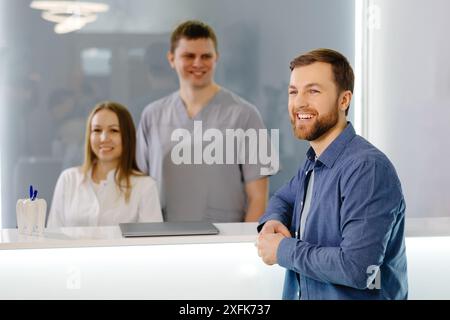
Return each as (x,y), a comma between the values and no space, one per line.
(50,80)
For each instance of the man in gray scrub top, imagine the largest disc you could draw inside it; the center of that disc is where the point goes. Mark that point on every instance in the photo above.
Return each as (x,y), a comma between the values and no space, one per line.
(197,189)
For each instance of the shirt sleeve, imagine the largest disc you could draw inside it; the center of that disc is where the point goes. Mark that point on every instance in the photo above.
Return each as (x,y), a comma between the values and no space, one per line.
(281,204)
(266,165)
(142,145)
(56,214)
(149,205)
(371,206)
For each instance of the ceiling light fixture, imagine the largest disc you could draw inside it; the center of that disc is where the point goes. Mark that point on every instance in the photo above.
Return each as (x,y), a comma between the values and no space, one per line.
(69,15)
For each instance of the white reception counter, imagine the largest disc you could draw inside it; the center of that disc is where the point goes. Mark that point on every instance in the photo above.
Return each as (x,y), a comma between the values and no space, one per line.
(97,263)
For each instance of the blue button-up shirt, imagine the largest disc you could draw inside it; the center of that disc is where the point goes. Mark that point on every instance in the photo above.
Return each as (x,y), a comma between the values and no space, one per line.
(353,245)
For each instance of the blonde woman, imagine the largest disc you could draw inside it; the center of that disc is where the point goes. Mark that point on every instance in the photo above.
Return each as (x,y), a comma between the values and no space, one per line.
(108,188)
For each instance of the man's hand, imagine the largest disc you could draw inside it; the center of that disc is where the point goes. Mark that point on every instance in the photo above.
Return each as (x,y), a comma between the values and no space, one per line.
(268,245)
(275,226)
(269,239)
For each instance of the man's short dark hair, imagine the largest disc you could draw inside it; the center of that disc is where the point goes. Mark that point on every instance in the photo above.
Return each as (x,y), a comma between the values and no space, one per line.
(192,30)
(343,73)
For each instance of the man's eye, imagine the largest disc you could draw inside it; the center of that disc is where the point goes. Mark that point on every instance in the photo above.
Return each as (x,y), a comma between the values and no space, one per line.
(97,130)
(314,91)
(292,92)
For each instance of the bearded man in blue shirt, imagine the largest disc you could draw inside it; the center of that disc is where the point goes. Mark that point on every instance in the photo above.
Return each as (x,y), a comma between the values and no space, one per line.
(338,225)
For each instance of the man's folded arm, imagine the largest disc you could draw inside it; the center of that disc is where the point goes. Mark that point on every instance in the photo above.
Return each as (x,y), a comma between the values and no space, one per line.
(281,204)
(372,206)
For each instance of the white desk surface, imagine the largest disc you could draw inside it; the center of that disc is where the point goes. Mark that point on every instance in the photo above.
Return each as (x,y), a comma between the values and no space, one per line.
(111,236)
(427,227)
(229,233)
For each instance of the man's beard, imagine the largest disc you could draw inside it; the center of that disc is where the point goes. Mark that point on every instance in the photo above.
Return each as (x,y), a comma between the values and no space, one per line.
(318,128)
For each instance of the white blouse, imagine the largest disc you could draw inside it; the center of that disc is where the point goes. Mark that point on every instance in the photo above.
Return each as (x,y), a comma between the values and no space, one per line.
(77,202)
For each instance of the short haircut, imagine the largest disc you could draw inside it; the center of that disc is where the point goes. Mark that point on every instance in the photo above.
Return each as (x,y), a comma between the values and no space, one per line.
(192,30)
(343,73)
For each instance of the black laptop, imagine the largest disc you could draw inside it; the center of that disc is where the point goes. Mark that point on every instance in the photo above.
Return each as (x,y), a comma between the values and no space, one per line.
(161,229)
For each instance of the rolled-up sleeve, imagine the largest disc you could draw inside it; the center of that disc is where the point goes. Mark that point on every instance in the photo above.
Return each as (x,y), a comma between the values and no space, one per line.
(149,206)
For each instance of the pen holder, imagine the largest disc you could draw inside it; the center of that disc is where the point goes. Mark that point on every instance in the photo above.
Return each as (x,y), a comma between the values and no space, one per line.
(31,216)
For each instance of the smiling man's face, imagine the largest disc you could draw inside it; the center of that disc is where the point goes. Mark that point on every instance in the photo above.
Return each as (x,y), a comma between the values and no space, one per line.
(313,101)
(194,61)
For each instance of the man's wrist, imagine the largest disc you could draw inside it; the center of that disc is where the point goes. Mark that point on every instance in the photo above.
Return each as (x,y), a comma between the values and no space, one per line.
(284,252)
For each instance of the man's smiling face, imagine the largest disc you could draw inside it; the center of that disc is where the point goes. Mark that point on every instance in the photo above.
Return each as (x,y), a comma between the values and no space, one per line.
(313,101)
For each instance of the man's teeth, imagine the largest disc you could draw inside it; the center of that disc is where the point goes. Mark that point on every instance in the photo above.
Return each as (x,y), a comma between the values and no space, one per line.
(304,116)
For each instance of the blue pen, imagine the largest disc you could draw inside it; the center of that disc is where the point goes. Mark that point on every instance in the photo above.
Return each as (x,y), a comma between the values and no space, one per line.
(33,194)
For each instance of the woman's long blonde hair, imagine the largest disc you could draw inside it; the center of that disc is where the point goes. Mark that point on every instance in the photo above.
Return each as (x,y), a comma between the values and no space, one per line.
(127,163)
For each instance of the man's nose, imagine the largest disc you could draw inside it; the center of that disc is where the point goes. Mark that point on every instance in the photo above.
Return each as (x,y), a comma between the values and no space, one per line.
(300,100)
(198,62)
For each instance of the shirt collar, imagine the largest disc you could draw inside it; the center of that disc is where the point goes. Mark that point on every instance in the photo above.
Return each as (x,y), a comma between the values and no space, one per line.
(332,152)
(110,177)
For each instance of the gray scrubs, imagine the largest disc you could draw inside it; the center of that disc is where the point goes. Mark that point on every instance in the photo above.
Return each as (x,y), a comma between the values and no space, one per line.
(194,192)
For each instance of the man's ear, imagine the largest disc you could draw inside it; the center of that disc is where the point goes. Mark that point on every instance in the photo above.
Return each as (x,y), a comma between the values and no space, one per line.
(171,58)
(344,100)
